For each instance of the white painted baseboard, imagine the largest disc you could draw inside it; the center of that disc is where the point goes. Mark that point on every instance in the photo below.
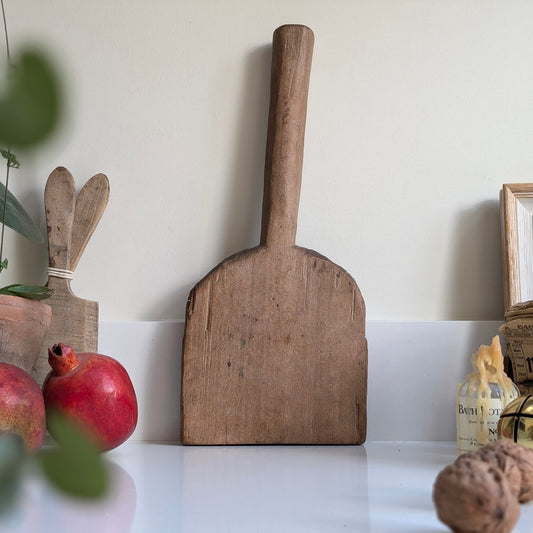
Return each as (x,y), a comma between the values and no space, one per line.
(414,368)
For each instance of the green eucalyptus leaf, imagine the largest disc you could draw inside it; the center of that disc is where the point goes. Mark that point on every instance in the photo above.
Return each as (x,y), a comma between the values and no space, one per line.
(11,158)
(75,466)
(3,264)
(29,107)
(18,219)
(30,292)
(12,459)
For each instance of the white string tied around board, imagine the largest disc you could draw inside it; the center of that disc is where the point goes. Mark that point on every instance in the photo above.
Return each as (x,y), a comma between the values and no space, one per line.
(60,273)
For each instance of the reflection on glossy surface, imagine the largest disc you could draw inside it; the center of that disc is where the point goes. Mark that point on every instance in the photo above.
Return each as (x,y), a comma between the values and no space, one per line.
(266,488)
(167,488)
(41,509)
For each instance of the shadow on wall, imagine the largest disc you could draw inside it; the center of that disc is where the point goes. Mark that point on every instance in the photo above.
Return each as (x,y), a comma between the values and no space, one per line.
(239,227)
(475,287)
(29,260)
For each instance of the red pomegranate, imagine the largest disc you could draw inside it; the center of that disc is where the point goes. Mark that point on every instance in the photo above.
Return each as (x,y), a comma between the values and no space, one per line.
(93,390)
(22,408)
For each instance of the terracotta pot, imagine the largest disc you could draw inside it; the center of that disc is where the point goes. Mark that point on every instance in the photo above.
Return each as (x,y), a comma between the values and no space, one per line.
(23,326)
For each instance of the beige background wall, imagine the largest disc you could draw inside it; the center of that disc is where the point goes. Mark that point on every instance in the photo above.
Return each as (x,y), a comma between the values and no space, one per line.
(418,112)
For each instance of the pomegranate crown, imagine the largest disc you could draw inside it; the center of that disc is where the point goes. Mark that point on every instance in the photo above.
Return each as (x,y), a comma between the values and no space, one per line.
(62,359)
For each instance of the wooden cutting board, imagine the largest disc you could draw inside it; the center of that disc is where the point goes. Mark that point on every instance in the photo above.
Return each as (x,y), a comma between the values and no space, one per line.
(70,222)
(274,350)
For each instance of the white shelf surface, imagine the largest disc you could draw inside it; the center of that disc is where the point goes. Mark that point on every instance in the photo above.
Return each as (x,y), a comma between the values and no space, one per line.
(378,487)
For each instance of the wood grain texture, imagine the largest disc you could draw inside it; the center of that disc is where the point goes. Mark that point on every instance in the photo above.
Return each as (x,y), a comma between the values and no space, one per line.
(274,349)
(90,206)
(516,243)
(70,223)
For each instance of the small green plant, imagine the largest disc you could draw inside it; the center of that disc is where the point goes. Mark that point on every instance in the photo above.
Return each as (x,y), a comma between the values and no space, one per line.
(29,111)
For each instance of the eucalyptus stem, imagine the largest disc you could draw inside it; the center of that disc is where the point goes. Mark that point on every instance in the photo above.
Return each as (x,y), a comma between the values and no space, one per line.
(8,162)
(5,32)
(4,215)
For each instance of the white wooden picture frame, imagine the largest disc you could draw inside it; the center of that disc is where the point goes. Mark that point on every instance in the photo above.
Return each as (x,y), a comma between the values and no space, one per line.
(516,208)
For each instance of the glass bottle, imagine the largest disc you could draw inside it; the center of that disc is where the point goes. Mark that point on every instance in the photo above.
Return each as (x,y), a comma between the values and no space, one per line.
(478,416)
(481,398)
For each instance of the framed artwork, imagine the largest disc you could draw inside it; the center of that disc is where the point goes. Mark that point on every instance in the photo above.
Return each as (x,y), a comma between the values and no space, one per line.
(516,208)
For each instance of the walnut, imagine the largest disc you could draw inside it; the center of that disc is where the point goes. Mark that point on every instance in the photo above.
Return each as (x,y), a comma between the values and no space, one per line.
(524,459)
(473,496)
(495,456)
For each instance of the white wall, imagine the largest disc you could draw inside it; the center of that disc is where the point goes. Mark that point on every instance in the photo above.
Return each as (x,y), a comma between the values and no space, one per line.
(418,112)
